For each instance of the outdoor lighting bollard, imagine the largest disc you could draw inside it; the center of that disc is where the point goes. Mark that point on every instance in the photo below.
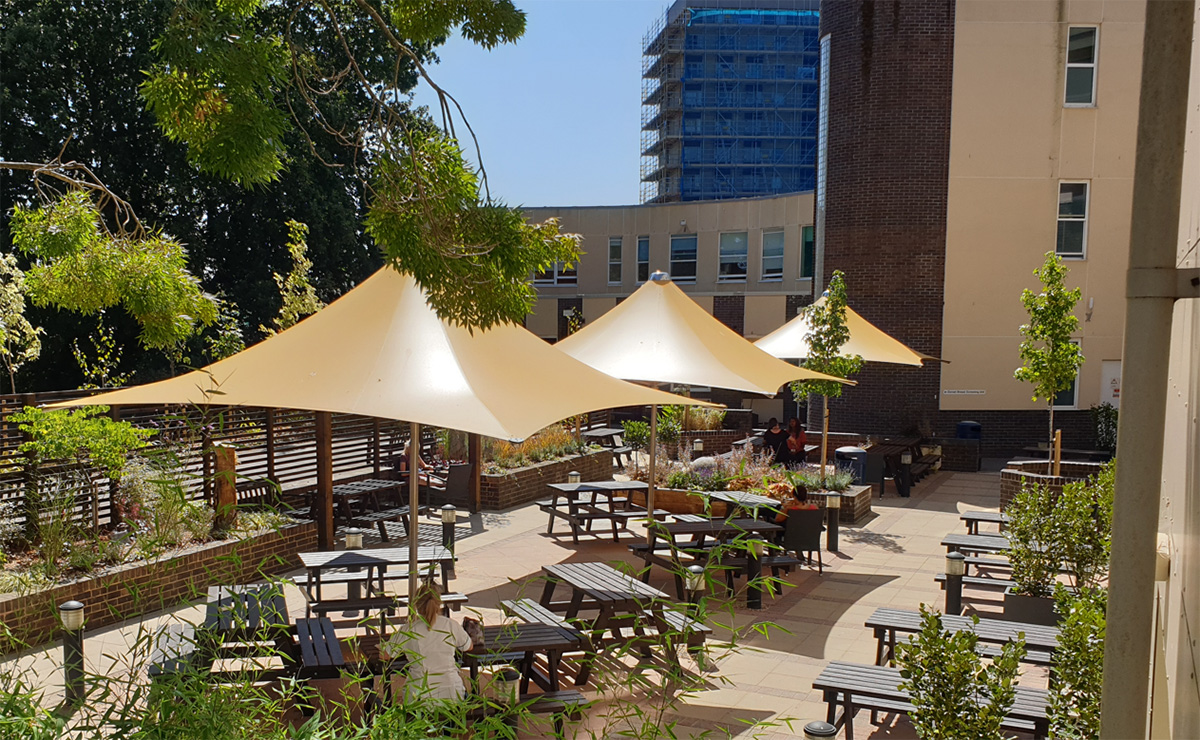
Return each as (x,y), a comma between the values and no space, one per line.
(354,541)
(694,584)
(697,446)
(574,477)
(754,551)
(956,568)
(905,474)
(508,687)
(71,614)
(819,731)
(833,502)
(449,519)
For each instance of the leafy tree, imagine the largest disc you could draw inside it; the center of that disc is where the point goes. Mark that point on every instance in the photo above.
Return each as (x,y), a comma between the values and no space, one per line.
(99,367)
(226,338)
(232,76)
(1085,534)
(1078,663)
(298,294)
(829,332)
(1050,360)
(953,693)
(1033,530)
(20,341)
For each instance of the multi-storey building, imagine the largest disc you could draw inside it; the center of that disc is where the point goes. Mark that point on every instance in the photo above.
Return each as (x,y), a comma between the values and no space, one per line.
(730,100)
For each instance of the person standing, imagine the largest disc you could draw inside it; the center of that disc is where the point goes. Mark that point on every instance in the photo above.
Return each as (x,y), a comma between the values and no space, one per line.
(775,440)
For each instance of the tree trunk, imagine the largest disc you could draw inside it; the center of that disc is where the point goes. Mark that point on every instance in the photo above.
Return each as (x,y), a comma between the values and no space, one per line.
(824,436)
(225,488)
(1050,446)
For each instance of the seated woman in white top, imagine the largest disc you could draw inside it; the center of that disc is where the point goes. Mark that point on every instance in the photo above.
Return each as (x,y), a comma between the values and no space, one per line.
(429,641)
(424,477)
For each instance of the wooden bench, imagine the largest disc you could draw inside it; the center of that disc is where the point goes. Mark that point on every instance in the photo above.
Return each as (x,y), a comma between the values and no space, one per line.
(175,652)
(978,582)
(1040,641)
(562,705)
(973,519)
(531,611)
(877,688)
(922,466)
(318,648)
(380,518)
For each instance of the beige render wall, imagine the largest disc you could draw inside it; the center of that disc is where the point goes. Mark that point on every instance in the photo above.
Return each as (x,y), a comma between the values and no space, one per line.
(706,219)
(1012,141)
(1175,699)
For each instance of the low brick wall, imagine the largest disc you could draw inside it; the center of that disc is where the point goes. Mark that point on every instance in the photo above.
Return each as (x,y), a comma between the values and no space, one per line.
(523,485)
(856,504)
(960,455)
(139,588)
(1019,471)
(716,441)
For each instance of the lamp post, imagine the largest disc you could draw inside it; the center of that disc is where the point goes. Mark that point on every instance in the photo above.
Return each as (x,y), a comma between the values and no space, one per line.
(956,568)
(71,613)
(449,519)
(833,502)
(354,541)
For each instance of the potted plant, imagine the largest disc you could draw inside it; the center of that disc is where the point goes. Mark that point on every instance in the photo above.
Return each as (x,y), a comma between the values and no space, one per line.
(1032,531)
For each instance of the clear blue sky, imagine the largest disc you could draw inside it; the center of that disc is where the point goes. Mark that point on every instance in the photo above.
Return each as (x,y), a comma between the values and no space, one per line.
(558,114)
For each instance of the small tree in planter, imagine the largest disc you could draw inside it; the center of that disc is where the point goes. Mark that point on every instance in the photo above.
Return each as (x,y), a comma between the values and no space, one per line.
(1050,360)
(1085,511)
(829,333)
(1033,534)
(953,692)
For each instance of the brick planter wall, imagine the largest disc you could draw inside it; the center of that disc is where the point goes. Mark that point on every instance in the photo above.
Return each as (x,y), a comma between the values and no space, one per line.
(1018,472)
(856,504)
(523,485)
(960,455)
(716,441)
(139,588)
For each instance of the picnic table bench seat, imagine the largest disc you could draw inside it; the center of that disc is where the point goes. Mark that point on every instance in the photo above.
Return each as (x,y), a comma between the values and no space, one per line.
(175,652)
(562,705)
(380,518)
(622,455)
(533,612)
(978,581)
(854,687)
(888,623)
(318,648)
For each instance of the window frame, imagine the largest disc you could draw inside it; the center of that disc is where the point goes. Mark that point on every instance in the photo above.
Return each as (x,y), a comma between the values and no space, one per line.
(763,276)
(619,243)
(558,275)
(1094,65)
(721,278)
(643,263)
(695,261)
(1087,212)
(806,229)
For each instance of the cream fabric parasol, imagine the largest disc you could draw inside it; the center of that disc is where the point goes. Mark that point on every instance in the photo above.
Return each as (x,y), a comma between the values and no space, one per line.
(790,341)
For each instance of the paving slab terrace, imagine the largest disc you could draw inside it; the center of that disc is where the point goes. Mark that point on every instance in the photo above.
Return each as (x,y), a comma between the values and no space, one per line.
(888,560)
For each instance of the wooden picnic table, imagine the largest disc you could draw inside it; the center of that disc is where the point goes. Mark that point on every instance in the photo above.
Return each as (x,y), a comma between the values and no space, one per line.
(345,495)
(580,504)
(974,518)
(606,436)
(742,503)
(877,688)
(374,565)
(975,543)
(1040,640)
(888,451)
(501,643)
(666,538)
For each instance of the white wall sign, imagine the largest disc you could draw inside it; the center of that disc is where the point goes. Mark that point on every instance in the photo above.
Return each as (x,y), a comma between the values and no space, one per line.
(1110,382)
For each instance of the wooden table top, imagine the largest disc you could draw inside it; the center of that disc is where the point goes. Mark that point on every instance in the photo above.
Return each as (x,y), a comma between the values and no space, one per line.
(741,498)
(362,487)
(365,558)
(526,637)
(997,631)
(603,583)
(600,485)
(720,527)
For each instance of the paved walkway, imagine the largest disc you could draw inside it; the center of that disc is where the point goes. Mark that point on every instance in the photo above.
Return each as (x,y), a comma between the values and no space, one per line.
(889,560)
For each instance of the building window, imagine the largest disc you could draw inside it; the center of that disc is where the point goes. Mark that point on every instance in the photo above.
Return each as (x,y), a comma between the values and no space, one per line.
(1068,398)
(683,258)
(808,251)
(643,259)
(560,274)
(614,260)
(1072,219)
(733,258)
(772,255)
(1081,66)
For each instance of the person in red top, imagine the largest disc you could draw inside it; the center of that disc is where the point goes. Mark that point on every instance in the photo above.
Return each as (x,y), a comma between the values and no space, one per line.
(799,502)
(795,443)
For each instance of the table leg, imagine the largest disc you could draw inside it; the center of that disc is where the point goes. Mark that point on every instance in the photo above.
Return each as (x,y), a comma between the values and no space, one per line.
(879,636)
(892,648)
(548,591)
(576,604)
(552,660)
(848,714)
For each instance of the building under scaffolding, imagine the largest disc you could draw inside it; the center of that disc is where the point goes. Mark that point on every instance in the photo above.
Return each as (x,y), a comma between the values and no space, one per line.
(729,94)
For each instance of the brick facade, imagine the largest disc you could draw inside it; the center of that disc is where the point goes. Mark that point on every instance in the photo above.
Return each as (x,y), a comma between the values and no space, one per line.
(730,310)
(522,485)
(890,70)
(139,588)
(795,302)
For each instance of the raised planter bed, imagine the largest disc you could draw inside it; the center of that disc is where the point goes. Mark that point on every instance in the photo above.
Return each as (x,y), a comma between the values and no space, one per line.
(1017,472)
(523,485)
(856,503)
(135,589)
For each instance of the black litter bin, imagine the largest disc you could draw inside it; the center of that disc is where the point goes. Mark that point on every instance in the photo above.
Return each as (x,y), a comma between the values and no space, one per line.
(969,430)
(853,459)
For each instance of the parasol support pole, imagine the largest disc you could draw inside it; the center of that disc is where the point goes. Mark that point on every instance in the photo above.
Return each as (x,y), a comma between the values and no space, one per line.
(824,435)
(414,502)
(323,502)
(653,472)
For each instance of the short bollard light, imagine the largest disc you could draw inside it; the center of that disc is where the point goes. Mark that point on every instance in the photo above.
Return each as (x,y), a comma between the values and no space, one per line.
(72,614)
(819,731)
(754,549)
(906,458)
(694,580)
(956,568)
(508,687)
(574,477)
(449,519)
(697,446)
(354,541)
(833,502)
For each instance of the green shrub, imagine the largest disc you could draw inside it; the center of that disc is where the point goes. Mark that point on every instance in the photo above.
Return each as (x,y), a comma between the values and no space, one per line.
(635,434)
(1033,536)
(1104,424)
(54,524)
(953,693)
(1078,663)
(1085,510)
